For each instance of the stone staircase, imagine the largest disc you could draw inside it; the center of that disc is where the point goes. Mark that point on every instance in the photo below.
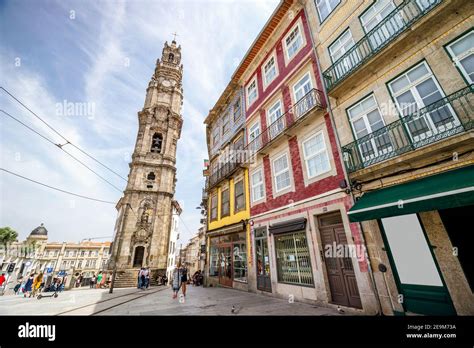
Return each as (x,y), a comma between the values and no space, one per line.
(126,279)
(129,278)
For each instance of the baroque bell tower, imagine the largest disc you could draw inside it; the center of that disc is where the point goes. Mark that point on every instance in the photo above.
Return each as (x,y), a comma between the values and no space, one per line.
(144,217)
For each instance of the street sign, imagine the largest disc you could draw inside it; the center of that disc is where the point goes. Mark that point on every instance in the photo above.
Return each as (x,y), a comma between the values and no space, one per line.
(49,270)
(62,273)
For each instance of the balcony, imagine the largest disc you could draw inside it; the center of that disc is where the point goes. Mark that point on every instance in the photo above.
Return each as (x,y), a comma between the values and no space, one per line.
(387,31)
(445,118)
(314,99)
(233,162)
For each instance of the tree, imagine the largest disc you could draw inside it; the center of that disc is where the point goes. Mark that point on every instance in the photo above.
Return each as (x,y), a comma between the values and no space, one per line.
(7,236)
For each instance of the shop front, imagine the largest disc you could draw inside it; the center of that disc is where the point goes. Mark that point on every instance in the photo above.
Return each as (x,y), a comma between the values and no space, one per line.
(228,257)
(419,222)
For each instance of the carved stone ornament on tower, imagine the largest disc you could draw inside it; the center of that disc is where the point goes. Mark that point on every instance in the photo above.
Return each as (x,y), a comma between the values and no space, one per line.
(144,212)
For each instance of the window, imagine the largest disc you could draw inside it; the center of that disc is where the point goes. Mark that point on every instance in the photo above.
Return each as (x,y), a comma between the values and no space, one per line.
(214,207)
(225,124)
(254,140)
(214,258)
(240,261)
(156,143)
(376,14)
(325,7)
(293,259)
(276,123)
(239,143)
(215,136)
(237,110)
(257,186)
(365,118)
(462,54)
(281,173)
(239,193)
(252,93)
(225,201)
(315,155)
(414,90)
(302,87)
(270,71)
(293,42)
(338,48)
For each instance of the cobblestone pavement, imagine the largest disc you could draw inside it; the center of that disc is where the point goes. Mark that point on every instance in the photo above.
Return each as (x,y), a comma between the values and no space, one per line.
(158,301)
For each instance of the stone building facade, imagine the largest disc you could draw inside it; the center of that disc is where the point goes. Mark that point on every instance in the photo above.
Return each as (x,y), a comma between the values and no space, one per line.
(399,79)
(55,259)
(145,211)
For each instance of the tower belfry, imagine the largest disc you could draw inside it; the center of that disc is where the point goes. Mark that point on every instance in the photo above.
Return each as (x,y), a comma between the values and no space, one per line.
(144,212)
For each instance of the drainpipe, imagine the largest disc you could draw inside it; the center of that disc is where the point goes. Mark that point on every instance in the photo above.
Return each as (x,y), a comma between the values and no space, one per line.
(346,176)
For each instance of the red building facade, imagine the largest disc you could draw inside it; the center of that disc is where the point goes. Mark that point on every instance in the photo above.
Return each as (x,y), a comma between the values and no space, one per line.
(298,202)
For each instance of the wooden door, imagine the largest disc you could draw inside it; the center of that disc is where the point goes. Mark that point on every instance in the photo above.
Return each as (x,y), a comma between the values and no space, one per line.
(340,270)
(225,265)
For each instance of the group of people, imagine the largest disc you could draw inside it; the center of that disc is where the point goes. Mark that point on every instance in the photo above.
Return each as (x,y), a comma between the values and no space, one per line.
(35,283)
(180,279)
(101,281)
(143,278)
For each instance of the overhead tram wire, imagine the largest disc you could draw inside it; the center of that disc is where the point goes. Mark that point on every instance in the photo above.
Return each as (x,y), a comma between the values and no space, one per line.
(64,138)
(60,147)
(57,189)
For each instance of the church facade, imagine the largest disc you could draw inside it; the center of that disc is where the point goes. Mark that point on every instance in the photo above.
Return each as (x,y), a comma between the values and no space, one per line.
(143,225)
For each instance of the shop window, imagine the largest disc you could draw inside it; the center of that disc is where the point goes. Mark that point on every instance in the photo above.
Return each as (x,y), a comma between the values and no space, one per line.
(293,259)
(214,260)
(240,261)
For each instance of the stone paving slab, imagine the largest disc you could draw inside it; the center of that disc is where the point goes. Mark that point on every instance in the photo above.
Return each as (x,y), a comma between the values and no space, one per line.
(216,301)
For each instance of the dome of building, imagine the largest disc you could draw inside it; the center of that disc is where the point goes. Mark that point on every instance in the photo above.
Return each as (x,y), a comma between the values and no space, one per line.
(39,231)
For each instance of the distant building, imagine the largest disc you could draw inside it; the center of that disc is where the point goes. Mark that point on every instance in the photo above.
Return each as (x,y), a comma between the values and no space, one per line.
(55,260)
(173,251)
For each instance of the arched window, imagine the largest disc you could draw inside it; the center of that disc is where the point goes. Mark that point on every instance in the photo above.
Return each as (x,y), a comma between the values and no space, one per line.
(151,176)
(171,57)
(156,143)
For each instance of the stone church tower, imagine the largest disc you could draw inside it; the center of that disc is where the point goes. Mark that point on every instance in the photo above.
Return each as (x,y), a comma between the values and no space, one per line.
(144,217)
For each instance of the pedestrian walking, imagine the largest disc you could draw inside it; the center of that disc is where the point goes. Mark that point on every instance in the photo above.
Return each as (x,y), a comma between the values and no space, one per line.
(78,280)
(2,279)
(29,285)
(176,281)
(99,280)
(93,279)
(37,283)
(184,280)
(142,279)
(147,278)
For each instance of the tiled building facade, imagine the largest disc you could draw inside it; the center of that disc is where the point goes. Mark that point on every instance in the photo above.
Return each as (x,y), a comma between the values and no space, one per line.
(358,137)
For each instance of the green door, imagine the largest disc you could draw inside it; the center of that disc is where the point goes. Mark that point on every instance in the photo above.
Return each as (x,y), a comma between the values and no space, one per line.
(414,266)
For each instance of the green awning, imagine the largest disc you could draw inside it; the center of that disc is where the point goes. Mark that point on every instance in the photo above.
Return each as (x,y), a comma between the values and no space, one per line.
(451,189)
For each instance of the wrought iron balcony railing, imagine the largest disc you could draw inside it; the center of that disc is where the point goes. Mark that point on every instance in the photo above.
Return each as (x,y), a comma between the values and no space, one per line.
(442,119)
(311,100)
(225,169)
(392,26)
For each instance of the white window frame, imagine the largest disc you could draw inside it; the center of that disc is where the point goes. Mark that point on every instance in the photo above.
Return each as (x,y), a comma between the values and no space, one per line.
(267,82)
(215,135)
(463,55)
(418,99)
(226,121)
(300,34)
(251,132)
(331,10)
(307,157)
(368,127)
(302,87)
(275,174)
(276,129)
(254,80)
(253,185)
(376,14)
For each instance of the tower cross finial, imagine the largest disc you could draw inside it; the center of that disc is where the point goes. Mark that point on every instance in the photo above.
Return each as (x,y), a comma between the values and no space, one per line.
(174,34)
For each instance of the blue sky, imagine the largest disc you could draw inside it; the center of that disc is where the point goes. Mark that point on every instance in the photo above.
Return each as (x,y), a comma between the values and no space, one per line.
(102,54)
